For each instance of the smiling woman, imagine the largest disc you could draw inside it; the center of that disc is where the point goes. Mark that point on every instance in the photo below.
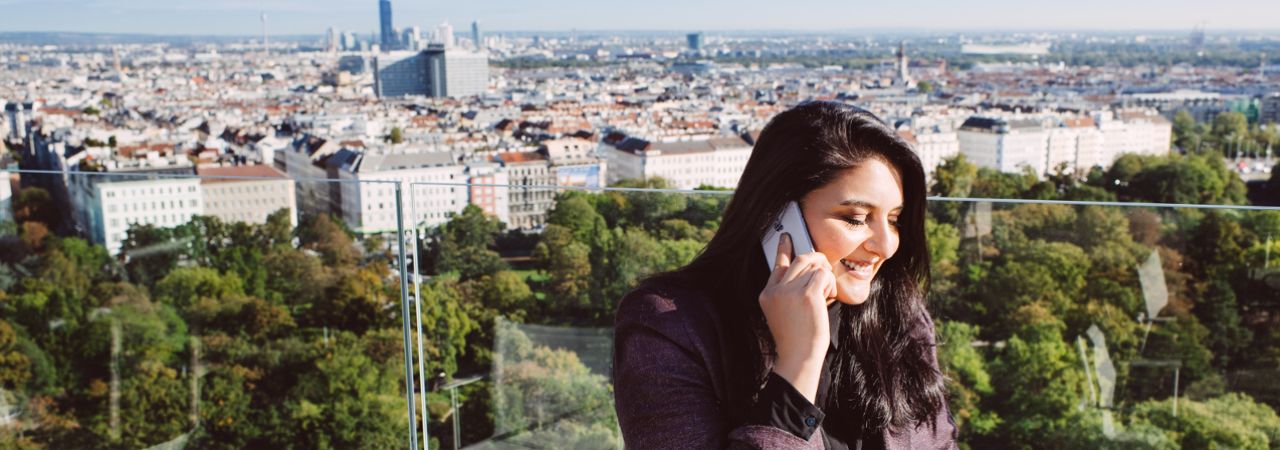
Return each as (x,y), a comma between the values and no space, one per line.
(723,353)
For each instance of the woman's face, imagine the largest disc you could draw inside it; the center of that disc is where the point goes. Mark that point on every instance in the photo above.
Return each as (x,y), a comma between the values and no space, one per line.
(853,221)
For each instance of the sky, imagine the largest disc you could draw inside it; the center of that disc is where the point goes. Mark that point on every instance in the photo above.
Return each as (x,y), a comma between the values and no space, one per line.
(313,17)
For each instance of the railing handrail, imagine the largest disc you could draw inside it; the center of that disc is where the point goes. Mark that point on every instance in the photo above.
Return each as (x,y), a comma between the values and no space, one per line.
(631,189)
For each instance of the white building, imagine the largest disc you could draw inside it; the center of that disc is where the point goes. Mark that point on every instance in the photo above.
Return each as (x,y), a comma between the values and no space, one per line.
(932,146)
(1134,131)
(107,206)
(1005,145)
(368,206)
(247,200)
(6,196)
(1076,142)
(713,161)
(1043,144)
(454,72)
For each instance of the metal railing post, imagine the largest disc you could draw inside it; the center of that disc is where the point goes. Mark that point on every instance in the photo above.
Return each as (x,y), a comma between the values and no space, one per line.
(404,306)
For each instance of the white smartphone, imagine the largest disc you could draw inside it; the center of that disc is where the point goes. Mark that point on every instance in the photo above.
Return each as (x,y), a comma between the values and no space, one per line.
(791,222)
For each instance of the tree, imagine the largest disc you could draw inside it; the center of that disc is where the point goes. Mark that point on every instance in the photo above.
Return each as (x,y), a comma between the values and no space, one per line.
(226,410)
(344,400)
(186,286)
(968,383)
(646,209)
(295,279)
(327,236)
(925,87)
(547,396)
(396,136)
(448,325)
(1230,421)
(278,230)
(357,302)
(567,263)
(944,246)
(15,367)
(953,178)
(1039,381)
(1229,126)
(35,204)
(1052,275)
(1185,134)
(466,244)
(152,252)
(574,211)
(505,292)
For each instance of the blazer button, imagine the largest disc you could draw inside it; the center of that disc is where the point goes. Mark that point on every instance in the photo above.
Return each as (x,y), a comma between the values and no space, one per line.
(810,421)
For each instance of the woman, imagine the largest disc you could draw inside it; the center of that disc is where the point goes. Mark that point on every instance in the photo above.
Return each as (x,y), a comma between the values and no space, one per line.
(833,349)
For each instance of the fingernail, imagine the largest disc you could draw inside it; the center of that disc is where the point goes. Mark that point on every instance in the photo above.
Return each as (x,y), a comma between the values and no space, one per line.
(784,239)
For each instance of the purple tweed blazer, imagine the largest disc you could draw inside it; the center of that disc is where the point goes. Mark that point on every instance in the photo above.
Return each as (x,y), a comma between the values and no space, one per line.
(670,381)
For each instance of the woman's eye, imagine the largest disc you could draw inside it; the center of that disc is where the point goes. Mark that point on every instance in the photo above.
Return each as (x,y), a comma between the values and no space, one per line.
(854,222)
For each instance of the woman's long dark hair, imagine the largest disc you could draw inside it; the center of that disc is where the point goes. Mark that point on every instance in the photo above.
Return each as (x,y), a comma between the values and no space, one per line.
(883,376)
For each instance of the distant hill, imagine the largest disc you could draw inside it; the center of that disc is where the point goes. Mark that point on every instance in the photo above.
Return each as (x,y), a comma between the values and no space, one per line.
(89,39)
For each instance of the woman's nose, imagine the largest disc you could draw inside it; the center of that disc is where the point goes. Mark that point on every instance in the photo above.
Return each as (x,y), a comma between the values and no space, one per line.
(883,240)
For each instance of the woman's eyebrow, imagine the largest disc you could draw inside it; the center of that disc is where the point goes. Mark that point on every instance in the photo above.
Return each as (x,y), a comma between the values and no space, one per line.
(865,204)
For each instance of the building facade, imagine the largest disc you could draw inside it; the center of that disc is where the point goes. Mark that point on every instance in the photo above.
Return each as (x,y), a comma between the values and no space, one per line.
(435,72)
(455,72)
(109,206)
(713,161)
(400,74)
(369,206)
(247,200)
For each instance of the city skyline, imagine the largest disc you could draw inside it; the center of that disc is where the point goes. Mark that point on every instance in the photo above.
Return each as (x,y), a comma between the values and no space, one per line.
(293,17)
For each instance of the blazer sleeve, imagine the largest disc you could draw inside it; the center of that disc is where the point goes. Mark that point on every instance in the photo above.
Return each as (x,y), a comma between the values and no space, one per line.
(663,388)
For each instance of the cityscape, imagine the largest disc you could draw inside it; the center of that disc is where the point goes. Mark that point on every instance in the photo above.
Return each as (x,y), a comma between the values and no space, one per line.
(405,236)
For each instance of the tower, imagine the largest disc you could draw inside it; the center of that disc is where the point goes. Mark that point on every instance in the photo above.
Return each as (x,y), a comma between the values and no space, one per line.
(475,35)
(903,76)
(265,43)
(388,32)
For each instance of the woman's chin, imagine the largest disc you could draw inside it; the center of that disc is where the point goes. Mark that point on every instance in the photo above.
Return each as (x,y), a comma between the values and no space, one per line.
(852,295)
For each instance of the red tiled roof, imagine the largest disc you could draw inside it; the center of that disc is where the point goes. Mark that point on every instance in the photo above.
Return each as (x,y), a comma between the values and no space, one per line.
(519,157)
(1082,122)
(260,171)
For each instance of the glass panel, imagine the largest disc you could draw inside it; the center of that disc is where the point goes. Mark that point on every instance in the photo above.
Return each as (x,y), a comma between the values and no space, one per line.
(171,311)
(520,287)
(148,310)
(1104,325)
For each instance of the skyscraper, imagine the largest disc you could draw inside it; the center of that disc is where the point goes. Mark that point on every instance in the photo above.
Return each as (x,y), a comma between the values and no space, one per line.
(388,32)
(475,35)
(445,34)
(695,41)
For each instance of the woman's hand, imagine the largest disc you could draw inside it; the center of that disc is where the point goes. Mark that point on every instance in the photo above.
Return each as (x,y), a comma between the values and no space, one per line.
(795,306)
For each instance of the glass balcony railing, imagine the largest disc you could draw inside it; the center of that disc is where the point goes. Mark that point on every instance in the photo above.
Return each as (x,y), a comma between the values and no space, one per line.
(273,312)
